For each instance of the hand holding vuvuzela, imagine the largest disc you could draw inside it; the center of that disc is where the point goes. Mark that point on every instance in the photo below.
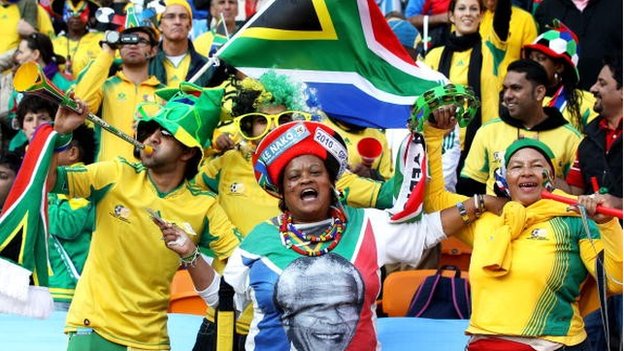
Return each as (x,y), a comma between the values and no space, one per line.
(67,120)
(30,79)
(613,212)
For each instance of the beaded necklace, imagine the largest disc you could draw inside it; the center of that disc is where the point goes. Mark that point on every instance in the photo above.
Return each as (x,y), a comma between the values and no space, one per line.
(333,233)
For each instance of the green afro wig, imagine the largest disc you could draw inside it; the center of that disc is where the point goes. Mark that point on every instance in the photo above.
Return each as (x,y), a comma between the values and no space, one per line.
(270,89)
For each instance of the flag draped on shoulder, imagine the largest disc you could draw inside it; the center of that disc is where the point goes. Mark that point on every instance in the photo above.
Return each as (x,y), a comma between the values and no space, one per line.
(23,233)
(344,49)
(411,174)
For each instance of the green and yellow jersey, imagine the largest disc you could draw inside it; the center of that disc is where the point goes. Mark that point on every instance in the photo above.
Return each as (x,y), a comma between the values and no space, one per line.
(10,16)
(550,260)
(117,97)
(70,223)
(123,292)
(80,52)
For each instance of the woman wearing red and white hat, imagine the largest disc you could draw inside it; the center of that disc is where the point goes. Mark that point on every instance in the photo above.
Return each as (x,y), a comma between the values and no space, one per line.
(312,272)
(258,107)
(317,248)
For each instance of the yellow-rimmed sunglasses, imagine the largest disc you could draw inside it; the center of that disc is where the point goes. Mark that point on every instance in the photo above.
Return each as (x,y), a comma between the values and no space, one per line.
(255,125)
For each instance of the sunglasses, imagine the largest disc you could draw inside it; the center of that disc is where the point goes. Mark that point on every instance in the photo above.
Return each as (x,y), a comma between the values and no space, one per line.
(149,128)
(140,42)
(262,122)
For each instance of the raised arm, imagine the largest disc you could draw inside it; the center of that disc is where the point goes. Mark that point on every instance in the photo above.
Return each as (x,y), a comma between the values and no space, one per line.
(91,80)
(65,122)
(436,196)
(454,217)
(502,18)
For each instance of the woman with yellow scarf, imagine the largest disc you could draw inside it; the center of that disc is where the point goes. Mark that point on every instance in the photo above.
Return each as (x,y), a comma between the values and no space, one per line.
(532,265)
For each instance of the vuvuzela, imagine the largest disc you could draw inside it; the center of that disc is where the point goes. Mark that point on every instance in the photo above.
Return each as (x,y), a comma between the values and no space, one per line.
(30,79)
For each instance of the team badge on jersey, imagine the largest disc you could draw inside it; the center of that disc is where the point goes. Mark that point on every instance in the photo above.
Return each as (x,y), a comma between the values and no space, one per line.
(122,96)
(121,212)
(538,234)
(237,188)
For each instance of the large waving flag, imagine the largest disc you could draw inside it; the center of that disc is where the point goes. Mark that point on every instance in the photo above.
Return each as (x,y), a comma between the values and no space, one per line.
(342,48)
(24,232)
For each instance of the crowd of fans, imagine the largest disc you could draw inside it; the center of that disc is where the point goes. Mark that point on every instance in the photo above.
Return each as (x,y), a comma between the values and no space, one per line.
(548,75)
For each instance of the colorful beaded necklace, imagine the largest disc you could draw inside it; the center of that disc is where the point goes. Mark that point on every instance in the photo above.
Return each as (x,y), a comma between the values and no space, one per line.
(333,233)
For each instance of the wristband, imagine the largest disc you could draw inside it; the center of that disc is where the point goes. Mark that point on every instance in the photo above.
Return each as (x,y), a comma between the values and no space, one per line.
(462,212)
(479,205)
(191,259)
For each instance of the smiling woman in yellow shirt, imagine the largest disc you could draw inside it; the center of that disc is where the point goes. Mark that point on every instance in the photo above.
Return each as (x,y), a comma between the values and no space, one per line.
(536,251)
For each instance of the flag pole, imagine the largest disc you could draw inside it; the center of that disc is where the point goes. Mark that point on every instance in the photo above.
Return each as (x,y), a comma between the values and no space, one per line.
(426,34)
(214,60)
(227,34)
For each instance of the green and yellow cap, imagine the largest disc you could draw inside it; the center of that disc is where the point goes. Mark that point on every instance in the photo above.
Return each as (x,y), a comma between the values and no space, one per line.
(191,114)
(533,144)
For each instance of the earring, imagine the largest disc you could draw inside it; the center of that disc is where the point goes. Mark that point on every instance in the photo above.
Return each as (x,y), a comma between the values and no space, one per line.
(338,198)
(557,77)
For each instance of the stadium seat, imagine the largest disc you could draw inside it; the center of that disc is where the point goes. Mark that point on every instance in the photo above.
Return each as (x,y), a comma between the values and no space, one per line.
(456,253)
(184,299)
(399,288)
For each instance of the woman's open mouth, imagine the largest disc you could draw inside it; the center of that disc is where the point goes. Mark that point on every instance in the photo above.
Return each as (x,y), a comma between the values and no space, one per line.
(308,194)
